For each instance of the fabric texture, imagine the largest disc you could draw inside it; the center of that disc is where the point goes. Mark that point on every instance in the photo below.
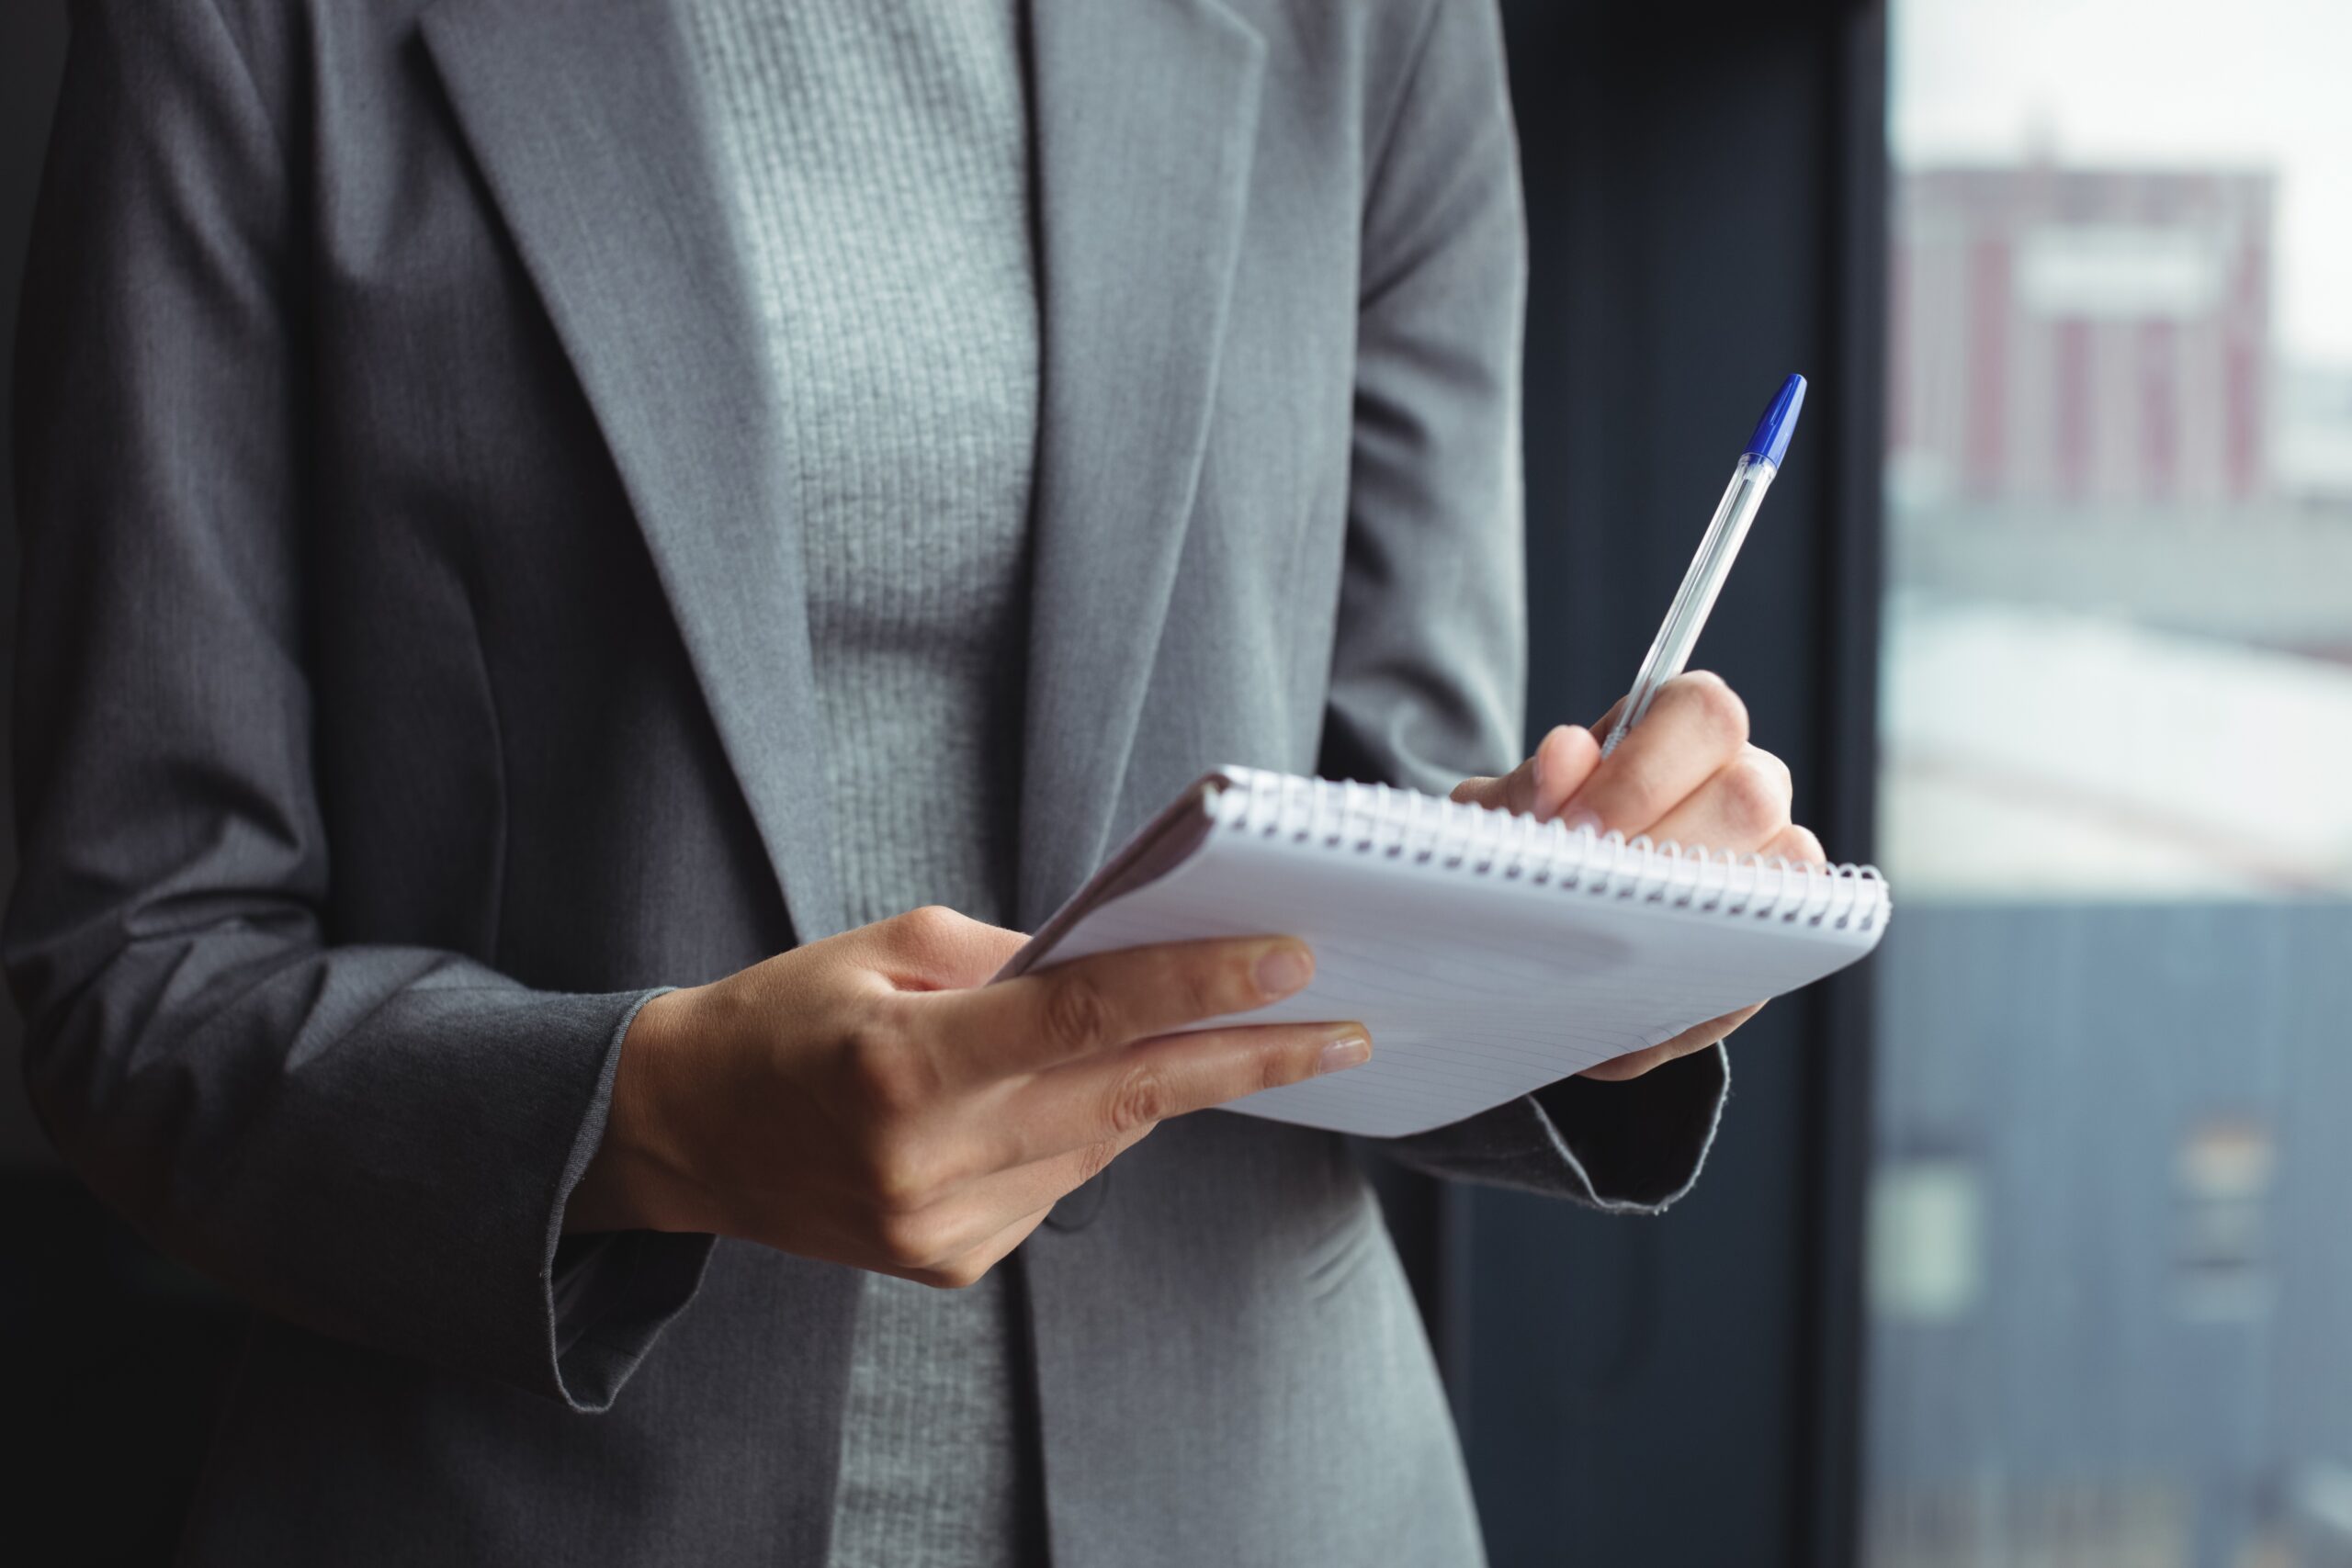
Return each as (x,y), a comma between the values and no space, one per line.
(416,673)
(873,155)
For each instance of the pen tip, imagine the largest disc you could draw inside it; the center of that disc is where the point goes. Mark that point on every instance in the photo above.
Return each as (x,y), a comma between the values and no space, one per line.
(1771,441)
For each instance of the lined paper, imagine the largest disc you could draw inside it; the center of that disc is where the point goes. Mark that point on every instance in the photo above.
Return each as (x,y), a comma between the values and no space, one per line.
(1477,987)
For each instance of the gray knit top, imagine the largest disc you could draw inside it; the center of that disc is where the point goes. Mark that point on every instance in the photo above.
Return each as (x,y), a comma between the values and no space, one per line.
(875,156)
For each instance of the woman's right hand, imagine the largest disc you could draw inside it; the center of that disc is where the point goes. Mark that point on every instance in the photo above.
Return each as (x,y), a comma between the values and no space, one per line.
(871,1099)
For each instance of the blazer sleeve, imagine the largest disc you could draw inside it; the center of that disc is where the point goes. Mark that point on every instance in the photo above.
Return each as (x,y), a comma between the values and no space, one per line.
(375,1141)
(1429,670)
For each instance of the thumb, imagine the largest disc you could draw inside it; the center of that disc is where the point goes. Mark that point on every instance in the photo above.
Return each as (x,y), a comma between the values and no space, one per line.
(1542,785)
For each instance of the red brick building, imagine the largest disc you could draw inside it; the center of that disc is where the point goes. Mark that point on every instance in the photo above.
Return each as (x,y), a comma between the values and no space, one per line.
(2081,335)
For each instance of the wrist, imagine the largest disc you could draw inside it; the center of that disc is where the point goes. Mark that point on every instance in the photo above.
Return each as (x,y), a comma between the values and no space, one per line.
(638,1178)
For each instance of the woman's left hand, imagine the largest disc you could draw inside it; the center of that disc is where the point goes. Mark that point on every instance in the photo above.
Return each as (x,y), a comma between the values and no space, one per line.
(1686,773)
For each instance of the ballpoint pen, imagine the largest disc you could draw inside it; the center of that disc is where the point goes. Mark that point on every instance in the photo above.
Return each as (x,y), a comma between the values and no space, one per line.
(1753,476)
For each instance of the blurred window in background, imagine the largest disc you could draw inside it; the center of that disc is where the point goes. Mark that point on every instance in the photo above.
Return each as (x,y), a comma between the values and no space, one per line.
(2111,1322)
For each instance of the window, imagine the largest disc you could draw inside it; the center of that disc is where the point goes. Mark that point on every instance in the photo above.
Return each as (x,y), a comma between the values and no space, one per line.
(1925,1240)
(2224,1178)
(2108,1326)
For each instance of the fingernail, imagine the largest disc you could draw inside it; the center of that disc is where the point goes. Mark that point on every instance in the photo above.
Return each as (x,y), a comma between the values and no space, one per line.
(1577,822)
(1284,969)
(1536,776)
(1349,1051)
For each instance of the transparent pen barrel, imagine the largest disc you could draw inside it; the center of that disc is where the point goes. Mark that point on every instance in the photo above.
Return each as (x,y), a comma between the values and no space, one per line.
(1679,633)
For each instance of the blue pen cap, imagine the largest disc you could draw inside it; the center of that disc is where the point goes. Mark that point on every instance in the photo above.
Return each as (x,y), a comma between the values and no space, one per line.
(1771,441)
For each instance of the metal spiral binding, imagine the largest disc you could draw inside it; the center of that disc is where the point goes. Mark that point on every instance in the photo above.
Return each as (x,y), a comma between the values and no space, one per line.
(1406,825)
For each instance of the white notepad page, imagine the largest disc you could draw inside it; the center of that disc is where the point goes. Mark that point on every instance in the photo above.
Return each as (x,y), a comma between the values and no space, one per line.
(1488,954)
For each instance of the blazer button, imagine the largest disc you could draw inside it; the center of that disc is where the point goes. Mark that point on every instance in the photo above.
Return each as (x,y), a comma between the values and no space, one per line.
(1079,1204)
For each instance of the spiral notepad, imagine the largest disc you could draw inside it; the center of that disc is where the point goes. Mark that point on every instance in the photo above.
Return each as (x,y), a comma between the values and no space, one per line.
(1488,955)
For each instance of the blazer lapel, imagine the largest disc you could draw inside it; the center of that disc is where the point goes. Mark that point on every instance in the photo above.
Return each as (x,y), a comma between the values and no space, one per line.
(581,116)
(1146,117)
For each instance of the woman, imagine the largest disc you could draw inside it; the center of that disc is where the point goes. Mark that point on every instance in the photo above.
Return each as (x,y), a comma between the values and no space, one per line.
(550,528)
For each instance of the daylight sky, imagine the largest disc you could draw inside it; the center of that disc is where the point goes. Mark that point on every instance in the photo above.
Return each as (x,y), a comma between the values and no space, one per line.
(2158,83)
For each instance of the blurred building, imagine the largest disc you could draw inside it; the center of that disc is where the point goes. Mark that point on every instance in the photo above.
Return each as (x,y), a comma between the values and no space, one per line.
(2108,1283)
(2080,335)
(2107,1276)
(2310,459)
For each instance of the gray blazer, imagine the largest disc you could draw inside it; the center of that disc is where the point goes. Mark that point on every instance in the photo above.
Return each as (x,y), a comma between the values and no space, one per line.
(415,677)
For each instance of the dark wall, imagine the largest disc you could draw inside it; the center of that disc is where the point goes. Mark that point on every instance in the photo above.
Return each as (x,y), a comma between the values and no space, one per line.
(1702,184)
(1702,181)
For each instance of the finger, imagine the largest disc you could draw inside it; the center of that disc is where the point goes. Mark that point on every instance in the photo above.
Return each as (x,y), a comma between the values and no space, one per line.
(1634,1064)
(1091,1004)
(1560,763)
(1608,721)
(1798,844)
(934,949)
(964,1224)
(1111,1097)
(970,1268)
(1003,1195)
(1042,1183)
(1744,808)
(1696,726)
(1490,792)
(956,1271)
